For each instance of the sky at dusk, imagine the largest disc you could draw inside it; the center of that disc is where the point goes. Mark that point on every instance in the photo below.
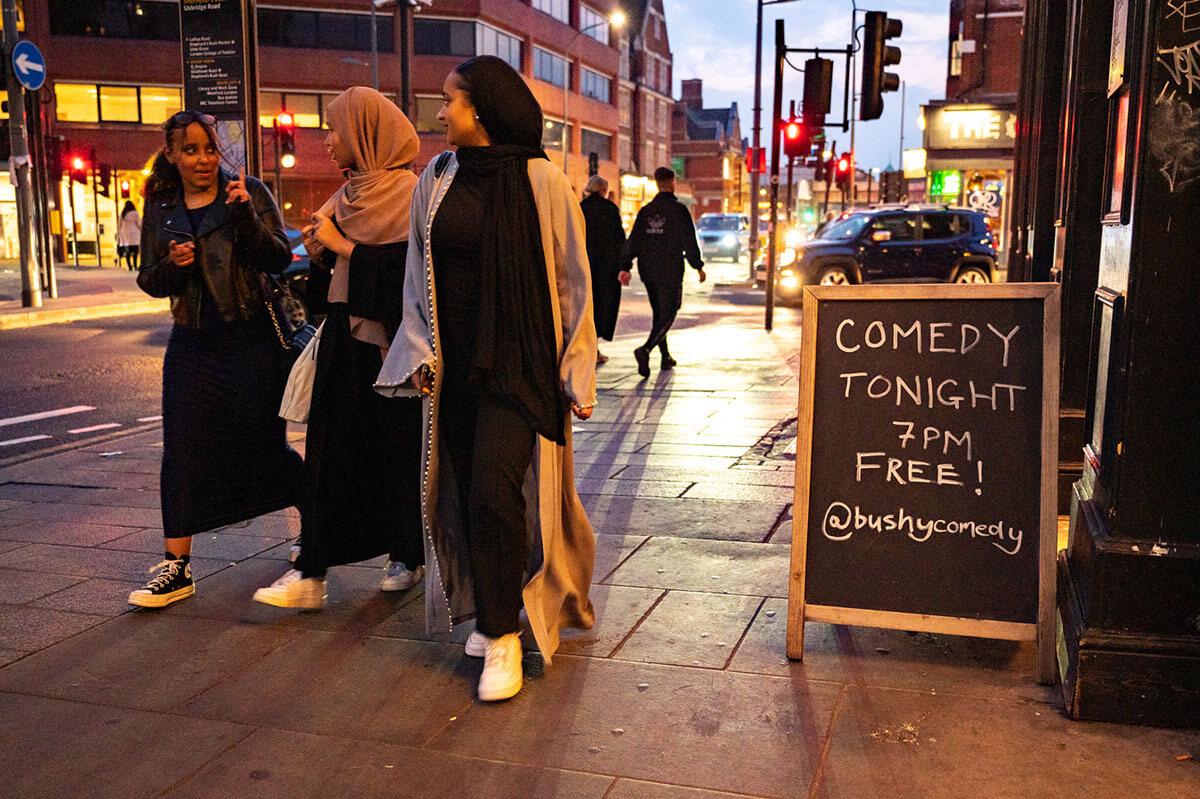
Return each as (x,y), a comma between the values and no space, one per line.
(714,40)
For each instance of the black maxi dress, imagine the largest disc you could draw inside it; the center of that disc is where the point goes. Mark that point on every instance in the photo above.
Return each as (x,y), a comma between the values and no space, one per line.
(362,478)
(225,452)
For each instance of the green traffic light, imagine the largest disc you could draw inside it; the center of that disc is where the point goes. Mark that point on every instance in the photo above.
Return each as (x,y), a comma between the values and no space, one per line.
(809,216)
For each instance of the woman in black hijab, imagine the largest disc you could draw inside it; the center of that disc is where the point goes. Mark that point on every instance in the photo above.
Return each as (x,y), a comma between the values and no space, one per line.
(498,331)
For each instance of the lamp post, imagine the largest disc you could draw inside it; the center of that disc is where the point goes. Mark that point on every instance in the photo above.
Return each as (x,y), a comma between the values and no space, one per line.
(616,20)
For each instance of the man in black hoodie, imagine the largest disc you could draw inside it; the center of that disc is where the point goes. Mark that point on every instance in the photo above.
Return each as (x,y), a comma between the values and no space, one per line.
(663,235)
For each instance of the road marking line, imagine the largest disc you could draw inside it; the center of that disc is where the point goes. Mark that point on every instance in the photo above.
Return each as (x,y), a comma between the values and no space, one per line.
(14,441)
(80,430)
(151,418)
(35,417)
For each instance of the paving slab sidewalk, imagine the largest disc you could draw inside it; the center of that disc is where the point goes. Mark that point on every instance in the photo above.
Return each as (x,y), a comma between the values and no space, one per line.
(680,690)
(83,293)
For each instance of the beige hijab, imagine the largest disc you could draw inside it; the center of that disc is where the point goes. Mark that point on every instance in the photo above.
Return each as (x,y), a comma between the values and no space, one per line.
(372,206)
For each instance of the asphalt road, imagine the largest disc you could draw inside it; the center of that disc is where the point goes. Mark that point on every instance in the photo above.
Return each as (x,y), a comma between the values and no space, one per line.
(107,373)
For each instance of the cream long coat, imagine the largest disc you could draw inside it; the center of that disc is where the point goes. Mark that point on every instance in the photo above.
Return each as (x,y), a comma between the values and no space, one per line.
(562,543)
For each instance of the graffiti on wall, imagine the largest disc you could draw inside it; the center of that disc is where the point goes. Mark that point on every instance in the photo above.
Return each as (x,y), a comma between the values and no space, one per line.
(1175,117)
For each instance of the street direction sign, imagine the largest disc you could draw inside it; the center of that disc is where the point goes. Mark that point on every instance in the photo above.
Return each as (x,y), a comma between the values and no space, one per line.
(29,64)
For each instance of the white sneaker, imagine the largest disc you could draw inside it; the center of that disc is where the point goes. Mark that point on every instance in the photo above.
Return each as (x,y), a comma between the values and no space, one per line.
(501,678)
(294,551)
(293,590)
(398,577)
(477,644)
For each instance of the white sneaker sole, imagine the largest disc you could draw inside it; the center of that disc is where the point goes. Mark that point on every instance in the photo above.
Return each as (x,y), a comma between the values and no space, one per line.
(148,600)
(403,583)
(308,602)
(474,648)
(501,692)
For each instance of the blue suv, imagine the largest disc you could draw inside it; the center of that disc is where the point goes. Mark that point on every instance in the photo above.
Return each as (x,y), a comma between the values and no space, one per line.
(917,244)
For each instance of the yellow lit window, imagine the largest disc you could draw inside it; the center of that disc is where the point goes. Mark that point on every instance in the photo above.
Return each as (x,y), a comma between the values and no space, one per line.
(76,102)
(269,104)
(305,109)
(119,104)
(3,105)
(158,103)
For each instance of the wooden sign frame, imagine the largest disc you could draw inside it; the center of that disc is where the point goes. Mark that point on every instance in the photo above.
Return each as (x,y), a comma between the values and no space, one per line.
(1045,630)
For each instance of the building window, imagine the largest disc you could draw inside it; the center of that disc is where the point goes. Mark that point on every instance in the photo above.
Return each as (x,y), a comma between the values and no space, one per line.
(116,19)
(552,134)
(119,104)
(626,107)
(85,102)
(323,30)
(956,58)
(427,108)
(444,37)
(593,84)
(664,77)
(624,153)
(559,9)
(549,67)
(491,41)
(662,154)
(306,109)
(593,141)
(594,24)
(624,58)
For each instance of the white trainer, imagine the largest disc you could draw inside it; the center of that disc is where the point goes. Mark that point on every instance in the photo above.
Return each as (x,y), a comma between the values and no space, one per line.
(501,678)
(293,590)
(398,577)
(477,644)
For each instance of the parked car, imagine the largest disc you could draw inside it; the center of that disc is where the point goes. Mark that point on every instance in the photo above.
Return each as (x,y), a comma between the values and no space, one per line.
(913,244)
(723,236)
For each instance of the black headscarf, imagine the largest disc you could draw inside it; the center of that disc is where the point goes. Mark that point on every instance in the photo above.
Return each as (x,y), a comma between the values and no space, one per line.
(515,351)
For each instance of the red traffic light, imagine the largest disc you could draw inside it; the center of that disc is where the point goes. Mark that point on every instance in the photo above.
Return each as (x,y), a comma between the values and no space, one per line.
(797,139)
(284,119)
(78,164)
(793,130)
(843,164)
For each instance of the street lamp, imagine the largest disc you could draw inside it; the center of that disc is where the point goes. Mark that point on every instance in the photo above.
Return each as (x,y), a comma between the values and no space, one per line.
(616,21)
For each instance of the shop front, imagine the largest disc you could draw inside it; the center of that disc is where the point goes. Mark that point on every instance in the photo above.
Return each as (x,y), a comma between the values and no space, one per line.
(969,161)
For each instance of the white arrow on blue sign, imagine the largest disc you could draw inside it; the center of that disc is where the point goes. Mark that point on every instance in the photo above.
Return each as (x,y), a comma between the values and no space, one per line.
(29,64)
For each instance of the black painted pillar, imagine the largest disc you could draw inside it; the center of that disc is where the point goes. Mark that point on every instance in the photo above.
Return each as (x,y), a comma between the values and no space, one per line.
(1129,582)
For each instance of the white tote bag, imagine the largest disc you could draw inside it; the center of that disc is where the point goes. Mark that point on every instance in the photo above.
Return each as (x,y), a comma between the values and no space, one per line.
(297,395)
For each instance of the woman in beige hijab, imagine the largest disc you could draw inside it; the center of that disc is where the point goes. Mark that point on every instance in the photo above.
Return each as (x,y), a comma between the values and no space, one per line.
(362,459)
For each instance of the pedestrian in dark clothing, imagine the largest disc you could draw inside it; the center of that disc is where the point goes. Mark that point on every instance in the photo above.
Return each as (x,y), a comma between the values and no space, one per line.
(663,235)
(605,239)
(498,334)
(362,457)
(206,241)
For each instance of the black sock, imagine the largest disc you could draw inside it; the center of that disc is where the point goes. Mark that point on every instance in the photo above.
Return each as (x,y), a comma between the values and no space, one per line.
(184,558)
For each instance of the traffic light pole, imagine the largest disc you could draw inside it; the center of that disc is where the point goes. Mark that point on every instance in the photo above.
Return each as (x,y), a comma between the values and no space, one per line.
(18,164)
(773,224)
(791,171)
(278,168)
(94,172)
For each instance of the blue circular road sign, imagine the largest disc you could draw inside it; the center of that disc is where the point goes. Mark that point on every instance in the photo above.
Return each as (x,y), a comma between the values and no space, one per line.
(29,64)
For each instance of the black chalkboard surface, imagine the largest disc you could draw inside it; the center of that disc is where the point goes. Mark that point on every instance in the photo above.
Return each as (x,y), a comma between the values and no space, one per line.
(926,459)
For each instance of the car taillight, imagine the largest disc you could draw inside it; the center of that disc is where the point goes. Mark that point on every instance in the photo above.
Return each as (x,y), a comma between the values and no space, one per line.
(295,257)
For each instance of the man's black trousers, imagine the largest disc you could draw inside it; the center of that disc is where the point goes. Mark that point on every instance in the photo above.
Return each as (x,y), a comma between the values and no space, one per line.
(491,448)
(665,300)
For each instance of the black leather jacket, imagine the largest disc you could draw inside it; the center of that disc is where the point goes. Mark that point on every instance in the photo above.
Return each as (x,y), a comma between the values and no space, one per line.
(233,245)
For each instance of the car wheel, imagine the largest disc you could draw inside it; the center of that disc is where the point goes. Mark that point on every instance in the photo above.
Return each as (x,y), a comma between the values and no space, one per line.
(833,276)
(972,274)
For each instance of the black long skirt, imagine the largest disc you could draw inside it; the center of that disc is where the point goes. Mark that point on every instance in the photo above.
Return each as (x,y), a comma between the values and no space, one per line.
(225,452)
(362,482)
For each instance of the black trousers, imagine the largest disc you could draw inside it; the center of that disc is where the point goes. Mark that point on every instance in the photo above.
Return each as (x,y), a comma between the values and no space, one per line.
(491,448)
(665,301)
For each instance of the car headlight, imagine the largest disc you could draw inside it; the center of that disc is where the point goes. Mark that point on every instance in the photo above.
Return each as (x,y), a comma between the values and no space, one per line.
(793,238)
(787,257)
(790,280)
(729,240)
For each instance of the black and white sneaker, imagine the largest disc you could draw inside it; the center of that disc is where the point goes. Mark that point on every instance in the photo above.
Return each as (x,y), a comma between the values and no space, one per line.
(172,583)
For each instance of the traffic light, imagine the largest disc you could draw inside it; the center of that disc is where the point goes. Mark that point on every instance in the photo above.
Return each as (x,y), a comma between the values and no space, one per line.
(125,187)
(797,139)
(285,129)
(103,179)
(79,167)
(845,171)
(760,163)
(818,91)
(878,55)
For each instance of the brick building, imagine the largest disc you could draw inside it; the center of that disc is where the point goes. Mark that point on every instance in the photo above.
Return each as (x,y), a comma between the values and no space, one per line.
(970,135)
(707,150)
(115,75)
(644,102)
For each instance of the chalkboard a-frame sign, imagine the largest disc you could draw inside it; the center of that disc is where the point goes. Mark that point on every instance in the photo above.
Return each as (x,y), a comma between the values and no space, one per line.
(926,462)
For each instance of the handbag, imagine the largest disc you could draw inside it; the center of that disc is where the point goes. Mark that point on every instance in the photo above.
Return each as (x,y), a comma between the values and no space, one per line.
(293,339)
(297,394)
